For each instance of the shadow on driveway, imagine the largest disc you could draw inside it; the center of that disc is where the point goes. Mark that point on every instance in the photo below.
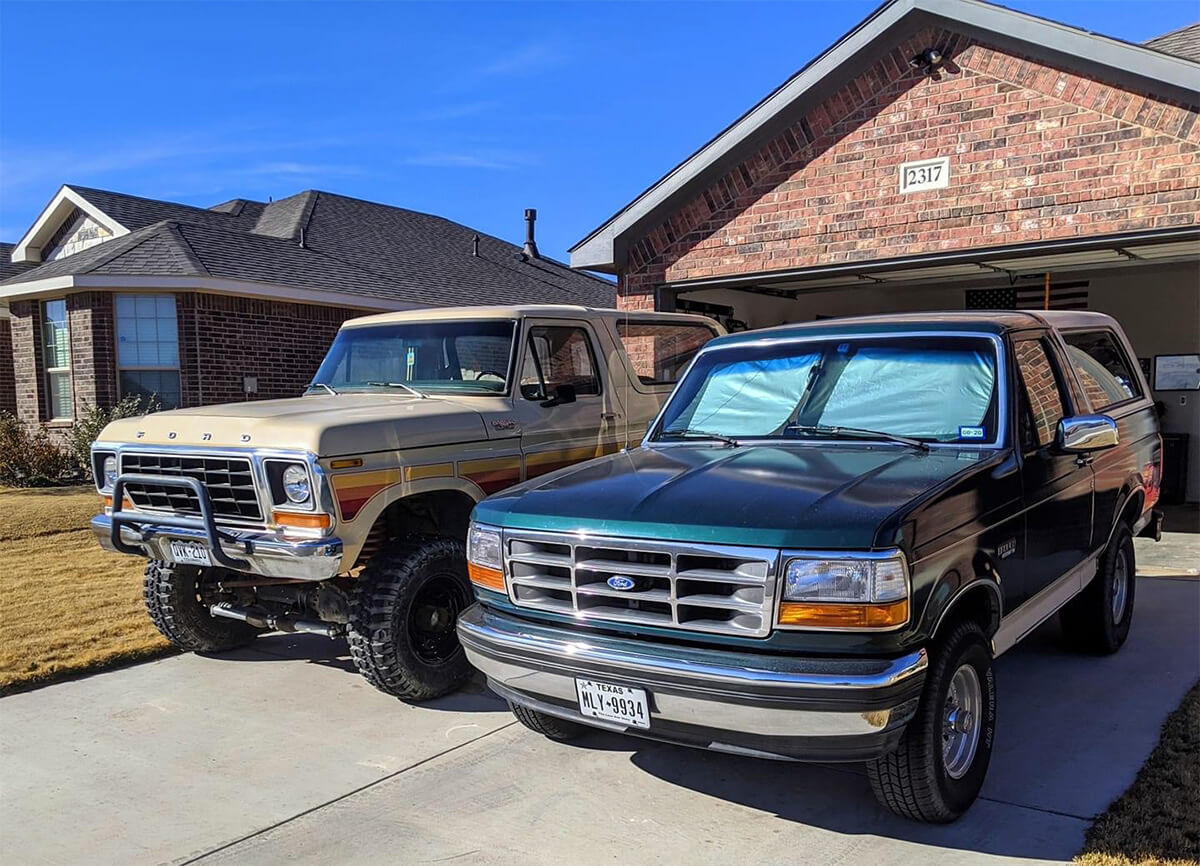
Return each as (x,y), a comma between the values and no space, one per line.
(1072,732)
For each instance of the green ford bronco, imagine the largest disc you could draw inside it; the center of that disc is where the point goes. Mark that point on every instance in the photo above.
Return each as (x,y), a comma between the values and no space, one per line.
(828,535)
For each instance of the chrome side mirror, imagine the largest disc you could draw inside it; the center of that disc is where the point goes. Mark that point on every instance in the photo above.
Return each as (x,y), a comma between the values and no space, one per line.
(1087,433)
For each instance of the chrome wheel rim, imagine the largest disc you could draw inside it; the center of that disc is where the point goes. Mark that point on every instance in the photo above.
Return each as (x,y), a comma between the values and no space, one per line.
(1120,587)
(961,722)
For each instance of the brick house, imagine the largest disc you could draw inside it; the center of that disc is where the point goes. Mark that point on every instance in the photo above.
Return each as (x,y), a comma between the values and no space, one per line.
(943,154)
(110,294)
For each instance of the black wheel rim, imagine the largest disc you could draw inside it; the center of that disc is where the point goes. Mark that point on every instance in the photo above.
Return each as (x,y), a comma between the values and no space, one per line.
(432,617)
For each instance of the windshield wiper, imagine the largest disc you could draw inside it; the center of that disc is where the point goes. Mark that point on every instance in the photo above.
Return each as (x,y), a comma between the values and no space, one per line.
(689,433)
(409,388)
(328,388)
(856,433)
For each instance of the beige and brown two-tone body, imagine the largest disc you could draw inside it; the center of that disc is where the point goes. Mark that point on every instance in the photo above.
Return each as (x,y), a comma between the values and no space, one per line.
(468,401)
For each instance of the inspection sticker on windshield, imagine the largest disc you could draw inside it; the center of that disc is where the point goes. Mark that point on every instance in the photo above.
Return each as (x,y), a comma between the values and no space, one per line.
(619,704)
(970,433)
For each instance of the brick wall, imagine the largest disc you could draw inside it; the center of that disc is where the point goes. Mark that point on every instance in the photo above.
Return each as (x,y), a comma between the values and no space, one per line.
(1037,153)
(8,384)
(224,339)
(27,362)
(93,348)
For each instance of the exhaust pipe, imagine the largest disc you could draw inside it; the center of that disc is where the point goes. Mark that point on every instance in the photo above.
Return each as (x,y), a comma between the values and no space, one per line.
(265,620)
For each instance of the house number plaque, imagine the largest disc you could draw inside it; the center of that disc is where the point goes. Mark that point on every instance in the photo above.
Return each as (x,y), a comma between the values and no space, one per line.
(926,174)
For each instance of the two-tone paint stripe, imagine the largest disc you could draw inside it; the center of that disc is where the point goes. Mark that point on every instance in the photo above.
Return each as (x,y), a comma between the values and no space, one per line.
(491,474)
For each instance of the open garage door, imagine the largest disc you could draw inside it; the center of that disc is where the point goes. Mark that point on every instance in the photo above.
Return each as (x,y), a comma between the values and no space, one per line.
(1150,282)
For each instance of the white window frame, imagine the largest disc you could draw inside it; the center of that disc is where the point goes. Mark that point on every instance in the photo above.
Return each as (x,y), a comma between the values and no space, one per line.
(50,372)
(147,368)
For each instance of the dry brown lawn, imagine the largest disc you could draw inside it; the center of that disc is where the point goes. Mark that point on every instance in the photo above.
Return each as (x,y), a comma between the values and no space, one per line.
(66,606)
(1157,821)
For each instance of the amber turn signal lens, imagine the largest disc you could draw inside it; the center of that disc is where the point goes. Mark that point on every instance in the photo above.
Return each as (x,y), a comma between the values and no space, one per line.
(125,503)
(843,615)
(346,463)
(488,578)
(302,521)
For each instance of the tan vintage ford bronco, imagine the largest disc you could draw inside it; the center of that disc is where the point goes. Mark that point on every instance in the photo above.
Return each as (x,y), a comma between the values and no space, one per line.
(344,511)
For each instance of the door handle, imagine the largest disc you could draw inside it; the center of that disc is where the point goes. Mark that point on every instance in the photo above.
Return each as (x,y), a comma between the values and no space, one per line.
(608,416)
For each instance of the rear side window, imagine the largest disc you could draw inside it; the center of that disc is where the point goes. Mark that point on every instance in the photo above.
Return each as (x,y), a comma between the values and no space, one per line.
(1102,367)
(1042,407)
(660,351)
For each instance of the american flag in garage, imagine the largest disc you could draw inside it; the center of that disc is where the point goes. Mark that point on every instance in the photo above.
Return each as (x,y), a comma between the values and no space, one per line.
(1063,296)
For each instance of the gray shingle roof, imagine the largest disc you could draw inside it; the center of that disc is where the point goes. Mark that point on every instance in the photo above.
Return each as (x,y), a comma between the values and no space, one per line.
(349,245)
(1184,42)
(8,267)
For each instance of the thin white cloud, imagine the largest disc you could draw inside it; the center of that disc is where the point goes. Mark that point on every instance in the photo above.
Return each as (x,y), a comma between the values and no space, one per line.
(298,168)
(526,58)
(465,159)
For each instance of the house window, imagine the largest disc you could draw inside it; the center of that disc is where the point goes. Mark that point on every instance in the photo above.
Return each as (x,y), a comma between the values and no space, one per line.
(56,353)
(148,347)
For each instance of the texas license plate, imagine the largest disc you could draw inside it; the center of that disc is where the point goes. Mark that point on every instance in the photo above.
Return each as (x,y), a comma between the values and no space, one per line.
(189,553)
(619,704)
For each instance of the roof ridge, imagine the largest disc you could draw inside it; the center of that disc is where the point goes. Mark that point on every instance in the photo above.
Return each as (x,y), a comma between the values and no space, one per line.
(188,251)
(82,189)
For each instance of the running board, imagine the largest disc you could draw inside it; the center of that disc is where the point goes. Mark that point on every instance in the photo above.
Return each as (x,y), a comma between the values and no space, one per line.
(1044,605)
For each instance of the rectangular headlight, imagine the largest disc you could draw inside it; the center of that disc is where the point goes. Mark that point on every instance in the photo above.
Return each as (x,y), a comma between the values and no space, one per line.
(484,566)
(483,546)
(861,580)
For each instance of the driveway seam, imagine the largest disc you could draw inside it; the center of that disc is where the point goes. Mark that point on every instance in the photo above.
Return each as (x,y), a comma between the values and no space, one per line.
(340,797)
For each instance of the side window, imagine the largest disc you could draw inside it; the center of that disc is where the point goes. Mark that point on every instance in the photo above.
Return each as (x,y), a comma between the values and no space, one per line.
(1042,406)
(1103,369)
(660,351)
(558,355)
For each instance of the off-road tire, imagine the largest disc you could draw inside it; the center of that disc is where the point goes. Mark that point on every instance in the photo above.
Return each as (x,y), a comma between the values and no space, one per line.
(380,643)
(1088,623)
(912,781)
(172,599)
(546,725)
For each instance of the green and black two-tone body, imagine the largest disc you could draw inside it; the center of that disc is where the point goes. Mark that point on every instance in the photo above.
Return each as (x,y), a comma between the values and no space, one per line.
(829,533)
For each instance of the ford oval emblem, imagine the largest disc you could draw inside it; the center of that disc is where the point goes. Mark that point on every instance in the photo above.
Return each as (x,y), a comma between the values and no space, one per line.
(621,582)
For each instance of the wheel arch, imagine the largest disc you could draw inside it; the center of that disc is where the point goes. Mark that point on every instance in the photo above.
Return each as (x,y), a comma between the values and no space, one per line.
(420,509)
(979,600)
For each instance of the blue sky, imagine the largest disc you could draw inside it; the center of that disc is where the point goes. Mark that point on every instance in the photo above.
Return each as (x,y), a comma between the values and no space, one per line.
(470,110)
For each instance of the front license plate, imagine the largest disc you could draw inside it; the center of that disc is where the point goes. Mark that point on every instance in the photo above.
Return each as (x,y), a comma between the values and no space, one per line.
(189,553)
(619,704)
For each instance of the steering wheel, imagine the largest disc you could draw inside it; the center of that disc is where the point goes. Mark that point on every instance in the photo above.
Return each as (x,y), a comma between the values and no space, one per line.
(483,373)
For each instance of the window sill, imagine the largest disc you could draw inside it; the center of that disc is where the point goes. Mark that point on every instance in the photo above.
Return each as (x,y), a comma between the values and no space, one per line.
(57,423)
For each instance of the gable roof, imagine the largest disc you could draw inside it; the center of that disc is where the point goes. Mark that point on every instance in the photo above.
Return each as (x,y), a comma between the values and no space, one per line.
(349,251)
(1126,63)
(1184,42)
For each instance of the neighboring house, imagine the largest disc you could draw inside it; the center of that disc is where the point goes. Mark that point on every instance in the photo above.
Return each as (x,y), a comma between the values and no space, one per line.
(110,294)
(943,154)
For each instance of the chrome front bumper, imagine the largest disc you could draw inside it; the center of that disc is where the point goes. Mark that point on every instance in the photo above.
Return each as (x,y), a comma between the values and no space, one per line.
(747,703)
(264,553)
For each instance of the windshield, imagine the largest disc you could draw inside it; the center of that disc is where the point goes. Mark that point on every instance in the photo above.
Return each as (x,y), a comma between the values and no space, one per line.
(459,357)
(933,389)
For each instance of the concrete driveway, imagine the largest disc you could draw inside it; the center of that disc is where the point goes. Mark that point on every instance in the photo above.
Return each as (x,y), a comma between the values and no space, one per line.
(281,754)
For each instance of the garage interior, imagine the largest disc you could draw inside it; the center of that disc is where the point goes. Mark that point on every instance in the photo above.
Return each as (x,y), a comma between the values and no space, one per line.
(1149,282)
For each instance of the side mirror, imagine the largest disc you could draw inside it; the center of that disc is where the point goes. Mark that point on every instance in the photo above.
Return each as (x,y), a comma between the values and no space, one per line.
(562,394)
(1087,433)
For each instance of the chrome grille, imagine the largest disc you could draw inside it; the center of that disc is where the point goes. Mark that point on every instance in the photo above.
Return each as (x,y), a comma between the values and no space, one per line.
(705,588)
(228,480)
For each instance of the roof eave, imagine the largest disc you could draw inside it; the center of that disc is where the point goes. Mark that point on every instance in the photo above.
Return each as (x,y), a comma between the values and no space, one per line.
(606,247)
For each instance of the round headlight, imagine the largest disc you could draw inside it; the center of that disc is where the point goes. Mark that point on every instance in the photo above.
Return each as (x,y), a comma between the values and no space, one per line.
(110,472)
(295,484)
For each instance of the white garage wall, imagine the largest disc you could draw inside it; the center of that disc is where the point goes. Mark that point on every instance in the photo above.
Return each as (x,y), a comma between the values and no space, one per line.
(1158,305)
